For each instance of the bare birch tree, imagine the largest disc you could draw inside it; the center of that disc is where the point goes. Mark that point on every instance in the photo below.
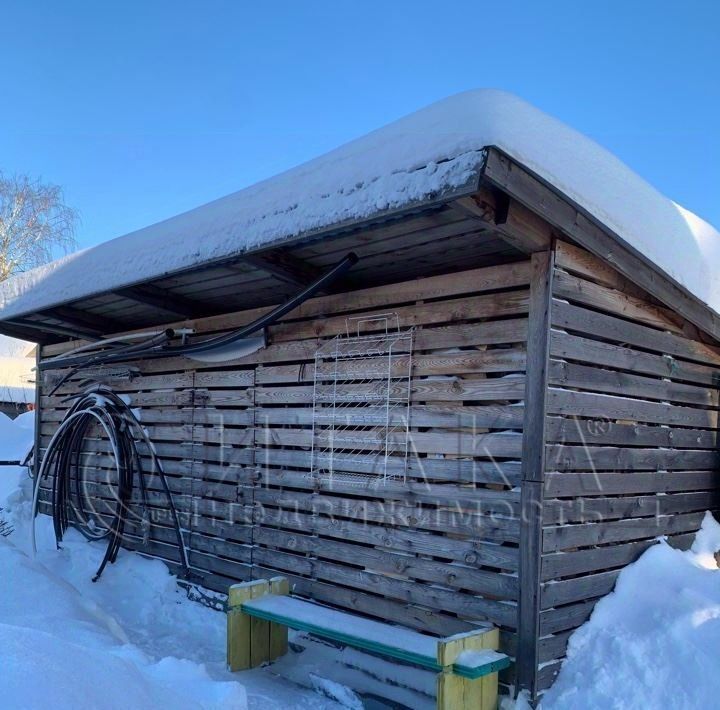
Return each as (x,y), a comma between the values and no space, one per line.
(35,224)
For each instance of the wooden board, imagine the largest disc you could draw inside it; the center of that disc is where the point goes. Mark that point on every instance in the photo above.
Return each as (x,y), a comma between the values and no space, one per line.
(533,468)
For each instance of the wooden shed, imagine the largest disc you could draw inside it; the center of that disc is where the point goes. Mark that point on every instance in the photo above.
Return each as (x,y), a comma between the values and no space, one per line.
(554,392)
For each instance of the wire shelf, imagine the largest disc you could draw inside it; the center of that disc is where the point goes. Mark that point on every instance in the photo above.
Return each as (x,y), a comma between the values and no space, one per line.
(361,402)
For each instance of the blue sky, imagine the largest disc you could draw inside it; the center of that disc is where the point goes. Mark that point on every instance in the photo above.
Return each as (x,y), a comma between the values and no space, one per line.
(143,109)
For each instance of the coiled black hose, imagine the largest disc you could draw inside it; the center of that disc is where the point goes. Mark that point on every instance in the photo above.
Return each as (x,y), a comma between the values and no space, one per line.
(124,431)
(72,492)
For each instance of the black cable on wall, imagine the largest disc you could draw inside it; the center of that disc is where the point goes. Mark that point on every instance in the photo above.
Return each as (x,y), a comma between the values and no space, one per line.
(73,494)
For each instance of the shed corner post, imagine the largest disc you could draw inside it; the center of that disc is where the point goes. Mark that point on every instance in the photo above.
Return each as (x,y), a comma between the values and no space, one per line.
(37,416)
(533,470)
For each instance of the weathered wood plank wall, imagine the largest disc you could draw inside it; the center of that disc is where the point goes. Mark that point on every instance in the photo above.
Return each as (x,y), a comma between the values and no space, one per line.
(632,433)
(437,552)
(632,452)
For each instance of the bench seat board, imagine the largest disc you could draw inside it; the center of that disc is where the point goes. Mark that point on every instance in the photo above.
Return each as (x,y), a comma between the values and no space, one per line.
(392,641)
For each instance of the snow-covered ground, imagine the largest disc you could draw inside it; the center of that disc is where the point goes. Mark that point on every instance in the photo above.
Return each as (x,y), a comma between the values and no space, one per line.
(16,436)
(134,640)
(131,640)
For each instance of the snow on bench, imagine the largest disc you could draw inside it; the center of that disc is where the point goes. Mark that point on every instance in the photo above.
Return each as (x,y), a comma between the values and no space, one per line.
(393,641)
(261,611)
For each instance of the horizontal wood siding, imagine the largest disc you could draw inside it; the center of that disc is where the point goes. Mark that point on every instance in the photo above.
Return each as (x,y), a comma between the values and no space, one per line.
(437,552)
(632,452)
(632,433)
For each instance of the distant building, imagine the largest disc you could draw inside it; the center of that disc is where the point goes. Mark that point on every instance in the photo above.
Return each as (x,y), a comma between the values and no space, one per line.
(17,379)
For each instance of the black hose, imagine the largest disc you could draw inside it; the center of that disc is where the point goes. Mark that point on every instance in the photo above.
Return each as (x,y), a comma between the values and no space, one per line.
(72,493)
(269,318)
(122,353)
(99,405)
(149,350)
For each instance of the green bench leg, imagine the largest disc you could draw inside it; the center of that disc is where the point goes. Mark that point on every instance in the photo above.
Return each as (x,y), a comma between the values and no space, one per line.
(457,693)
(250,641)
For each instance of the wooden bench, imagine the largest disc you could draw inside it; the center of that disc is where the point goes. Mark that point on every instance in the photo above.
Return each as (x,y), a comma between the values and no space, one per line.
(260,613)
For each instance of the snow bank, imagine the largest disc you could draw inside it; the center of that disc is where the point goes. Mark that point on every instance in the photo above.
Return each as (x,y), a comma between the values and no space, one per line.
(655,641)
(132,640)
(60,650)
(16,437)
(435,151)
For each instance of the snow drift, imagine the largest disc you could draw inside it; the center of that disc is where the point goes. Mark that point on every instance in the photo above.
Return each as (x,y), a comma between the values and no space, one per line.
(60,650)
(16,436)
(133,640)
(654,642)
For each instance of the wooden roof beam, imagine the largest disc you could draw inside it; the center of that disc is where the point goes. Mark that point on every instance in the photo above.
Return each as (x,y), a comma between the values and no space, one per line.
(56,329)
(85,321)
(166,301)
(284,266)
(31,334)
(509,219)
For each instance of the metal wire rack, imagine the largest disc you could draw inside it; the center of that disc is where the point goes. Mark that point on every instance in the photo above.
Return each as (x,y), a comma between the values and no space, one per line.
(361,402)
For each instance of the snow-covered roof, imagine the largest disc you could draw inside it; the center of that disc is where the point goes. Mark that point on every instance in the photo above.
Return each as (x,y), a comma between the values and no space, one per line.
(435,151)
